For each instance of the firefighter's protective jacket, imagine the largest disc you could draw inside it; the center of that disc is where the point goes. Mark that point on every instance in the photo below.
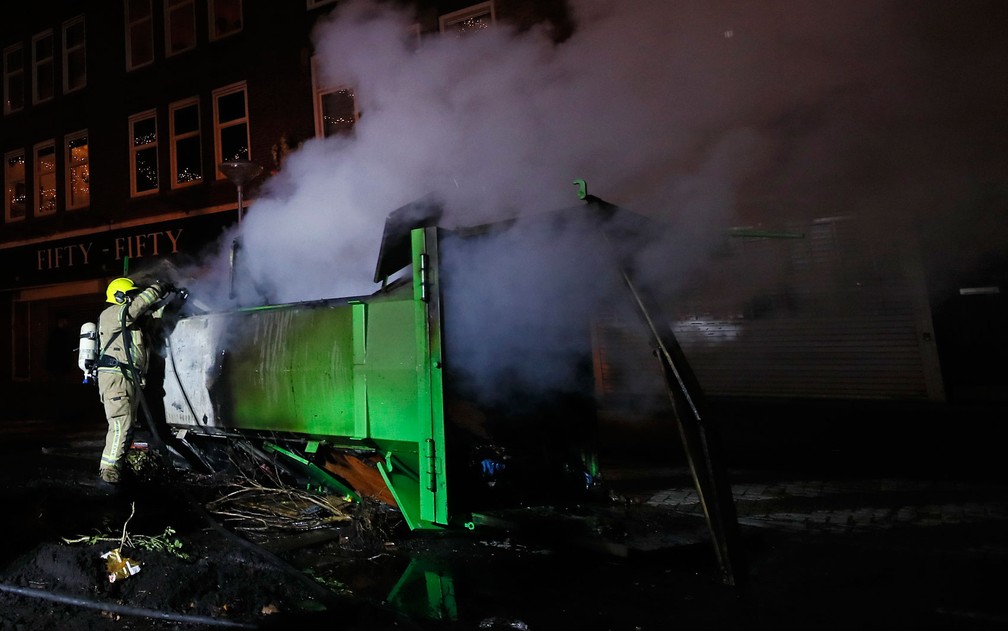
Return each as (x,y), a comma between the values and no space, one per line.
(112,339)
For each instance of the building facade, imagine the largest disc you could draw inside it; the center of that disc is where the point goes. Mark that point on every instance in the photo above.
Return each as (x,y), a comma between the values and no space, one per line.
(116,116)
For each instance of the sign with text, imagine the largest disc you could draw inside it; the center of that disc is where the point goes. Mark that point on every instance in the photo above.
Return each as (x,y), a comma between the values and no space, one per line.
(103,254)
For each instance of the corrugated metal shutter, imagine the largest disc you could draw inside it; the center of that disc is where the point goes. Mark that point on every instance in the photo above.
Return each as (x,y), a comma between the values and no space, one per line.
(821,316)
(857,356)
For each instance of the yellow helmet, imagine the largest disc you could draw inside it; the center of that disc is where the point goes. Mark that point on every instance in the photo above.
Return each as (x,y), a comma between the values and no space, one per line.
(117,290)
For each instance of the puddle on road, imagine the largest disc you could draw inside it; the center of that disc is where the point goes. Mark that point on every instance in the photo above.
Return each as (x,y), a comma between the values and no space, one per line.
(493,580)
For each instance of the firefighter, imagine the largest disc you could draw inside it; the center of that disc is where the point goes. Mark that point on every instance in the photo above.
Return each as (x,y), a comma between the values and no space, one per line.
(122,364)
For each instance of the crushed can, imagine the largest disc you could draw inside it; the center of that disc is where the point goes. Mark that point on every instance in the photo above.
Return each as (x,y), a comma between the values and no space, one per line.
(118,566)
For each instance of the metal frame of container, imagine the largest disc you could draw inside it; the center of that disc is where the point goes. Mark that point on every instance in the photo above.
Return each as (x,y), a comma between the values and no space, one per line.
(373,383)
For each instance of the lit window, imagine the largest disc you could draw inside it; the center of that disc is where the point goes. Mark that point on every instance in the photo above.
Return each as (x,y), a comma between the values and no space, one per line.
(225,18)
(74,62)
(45,178)
(15,192)
(78,187)
(475,18)
(339,112)
(143,154)
(231,128)
(180,26)
(42,65)
(13,79)
(335,108)
(186,148)
(139,34)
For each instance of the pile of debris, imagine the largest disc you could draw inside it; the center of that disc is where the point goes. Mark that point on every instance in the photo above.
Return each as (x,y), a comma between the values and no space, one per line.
(252,506)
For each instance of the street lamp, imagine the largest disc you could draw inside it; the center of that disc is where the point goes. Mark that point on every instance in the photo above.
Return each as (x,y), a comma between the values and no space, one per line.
(240,172)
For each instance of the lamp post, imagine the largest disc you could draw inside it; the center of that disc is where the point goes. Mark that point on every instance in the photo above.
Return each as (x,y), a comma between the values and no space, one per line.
(239,172)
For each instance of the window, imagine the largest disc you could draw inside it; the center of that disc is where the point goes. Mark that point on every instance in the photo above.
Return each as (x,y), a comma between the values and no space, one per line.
(231,128)
(186,149)
(225,18)
(475,18)
(14,179)
(143,154)
(339,111)
(13,68)
(42,66)
(45,178)
(78,189)
(139,34)
(74,58)
(335,108)
(180,26)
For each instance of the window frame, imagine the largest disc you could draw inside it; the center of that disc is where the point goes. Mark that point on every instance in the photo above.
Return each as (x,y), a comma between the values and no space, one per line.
(211,14)
(69,52)
(175,138)
(171,7)
(37,174)
(228,90)
(8,182)
(37,63)
(319,91)
(130,24)
(449,20)
(69,170)
(8,74)
(134,149)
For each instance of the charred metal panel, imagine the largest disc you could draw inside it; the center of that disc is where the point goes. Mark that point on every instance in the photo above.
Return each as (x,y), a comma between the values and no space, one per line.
(192,353)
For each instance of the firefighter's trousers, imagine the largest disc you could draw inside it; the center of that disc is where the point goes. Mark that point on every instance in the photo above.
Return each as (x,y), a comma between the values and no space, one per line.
(120,398)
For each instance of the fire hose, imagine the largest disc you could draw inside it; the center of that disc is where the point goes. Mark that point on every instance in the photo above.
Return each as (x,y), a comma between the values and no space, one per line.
(131,373)
(126,610)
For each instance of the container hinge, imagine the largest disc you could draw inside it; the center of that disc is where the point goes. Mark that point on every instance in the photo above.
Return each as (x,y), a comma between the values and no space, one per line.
(423,277)
(430,467)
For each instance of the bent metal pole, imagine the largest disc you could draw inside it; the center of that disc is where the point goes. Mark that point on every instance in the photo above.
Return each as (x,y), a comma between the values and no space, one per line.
(698,432)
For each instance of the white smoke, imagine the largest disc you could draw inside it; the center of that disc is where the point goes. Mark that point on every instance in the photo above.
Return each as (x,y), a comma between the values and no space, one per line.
(652,106)
(702,115)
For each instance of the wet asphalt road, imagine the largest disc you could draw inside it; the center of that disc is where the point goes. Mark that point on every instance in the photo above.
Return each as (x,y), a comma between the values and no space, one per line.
(879,516)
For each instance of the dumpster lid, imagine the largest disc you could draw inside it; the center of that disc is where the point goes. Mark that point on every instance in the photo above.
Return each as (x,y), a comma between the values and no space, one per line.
(395,252)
